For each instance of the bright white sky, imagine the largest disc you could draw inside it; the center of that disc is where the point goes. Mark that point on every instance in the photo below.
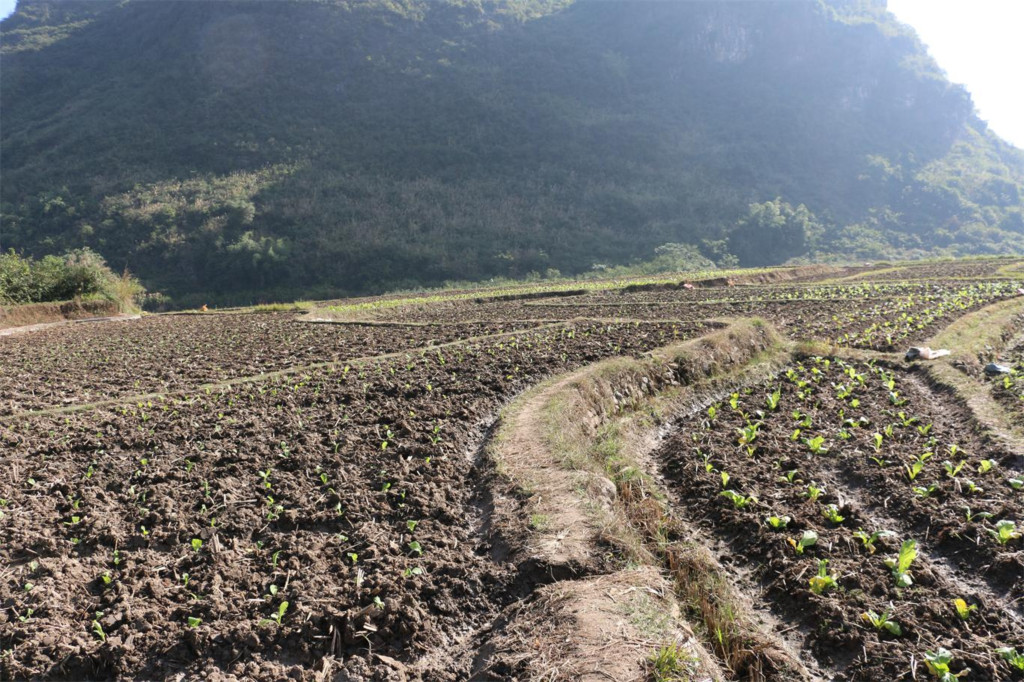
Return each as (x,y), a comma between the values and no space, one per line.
(979,43)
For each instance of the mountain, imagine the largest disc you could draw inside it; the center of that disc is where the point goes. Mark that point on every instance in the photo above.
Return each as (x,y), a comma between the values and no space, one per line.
(315,147)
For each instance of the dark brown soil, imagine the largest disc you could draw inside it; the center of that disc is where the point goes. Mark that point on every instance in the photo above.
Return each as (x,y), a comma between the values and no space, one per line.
(353,495)
(84,364)
(870,488)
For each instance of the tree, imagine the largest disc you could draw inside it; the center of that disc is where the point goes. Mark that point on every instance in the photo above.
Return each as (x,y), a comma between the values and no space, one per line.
(774,232)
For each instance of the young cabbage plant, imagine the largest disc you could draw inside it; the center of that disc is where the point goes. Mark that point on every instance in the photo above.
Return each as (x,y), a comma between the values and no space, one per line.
(277,616)
(953,469)
(813,492)
(869,540)
(900,566)
(808,539)
(816,445)
(883,621)
(963,610)
(971,516)
(824,580)
(985,466)
(831,512)
(777,522)
(1010,655)
(738,501)
(1005,531)
(938,665)
(971,487)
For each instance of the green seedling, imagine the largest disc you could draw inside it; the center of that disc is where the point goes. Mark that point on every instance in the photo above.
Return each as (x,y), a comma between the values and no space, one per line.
(276,617)
(913,469)
(415,546)
(824,580)
(971,516)
(877,439)
(725,479)
(748,434)
(831,512)
(900,566)
(962,609)
(194,622)
(953,469)
(971,487)
(197,544)
(870,540)
(985,466)
(813,492)
(883,621)
(1005,531)
(924,492)
(778,522)
(816,445)
(790,476)
(97,628)
(773,399)
(1016,483)
(738,501)
(938,665)
(1010,655)
(708,466)
(808,539)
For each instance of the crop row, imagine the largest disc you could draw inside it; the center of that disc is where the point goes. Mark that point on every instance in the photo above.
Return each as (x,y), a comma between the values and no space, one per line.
(260,527)
(83,363)
(873,520)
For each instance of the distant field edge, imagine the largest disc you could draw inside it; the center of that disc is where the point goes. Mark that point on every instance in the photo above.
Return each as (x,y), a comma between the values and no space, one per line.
(28,314)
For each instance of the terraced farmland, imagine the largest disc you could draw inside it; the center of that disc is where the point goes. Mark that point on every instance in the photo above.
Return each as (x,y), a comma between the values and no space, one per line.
(400,492)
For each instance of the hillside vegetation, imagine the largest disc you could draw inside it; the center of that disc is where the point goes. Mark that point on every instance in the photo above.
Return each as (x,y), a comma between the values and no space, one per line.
(349,146)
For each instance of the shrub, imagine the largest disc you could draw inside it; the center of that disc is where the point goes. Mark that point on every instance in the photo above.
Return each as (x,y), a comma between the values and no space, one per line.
(81,273)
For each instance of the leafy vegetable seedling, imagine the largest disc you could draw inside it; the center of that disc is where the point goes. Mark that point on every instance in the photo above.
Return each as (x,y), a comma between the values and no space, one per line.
(869,540)
(1010,655)
(831,512)
(883,621)
(1005,531)
(276,617)
(938,665)
(824,580)
(778,522)
(963,609)
(738,501)
(901,564)
(808,539)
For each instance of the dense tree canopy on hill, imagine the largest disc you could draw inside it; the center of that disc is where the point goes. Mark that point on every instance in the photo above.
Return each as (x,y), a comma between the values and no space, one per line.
(356,145)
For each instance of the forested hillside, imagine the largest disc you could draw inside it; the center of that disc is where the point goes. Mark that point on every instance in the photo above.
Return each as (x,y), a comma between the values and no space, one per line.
(304,148)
